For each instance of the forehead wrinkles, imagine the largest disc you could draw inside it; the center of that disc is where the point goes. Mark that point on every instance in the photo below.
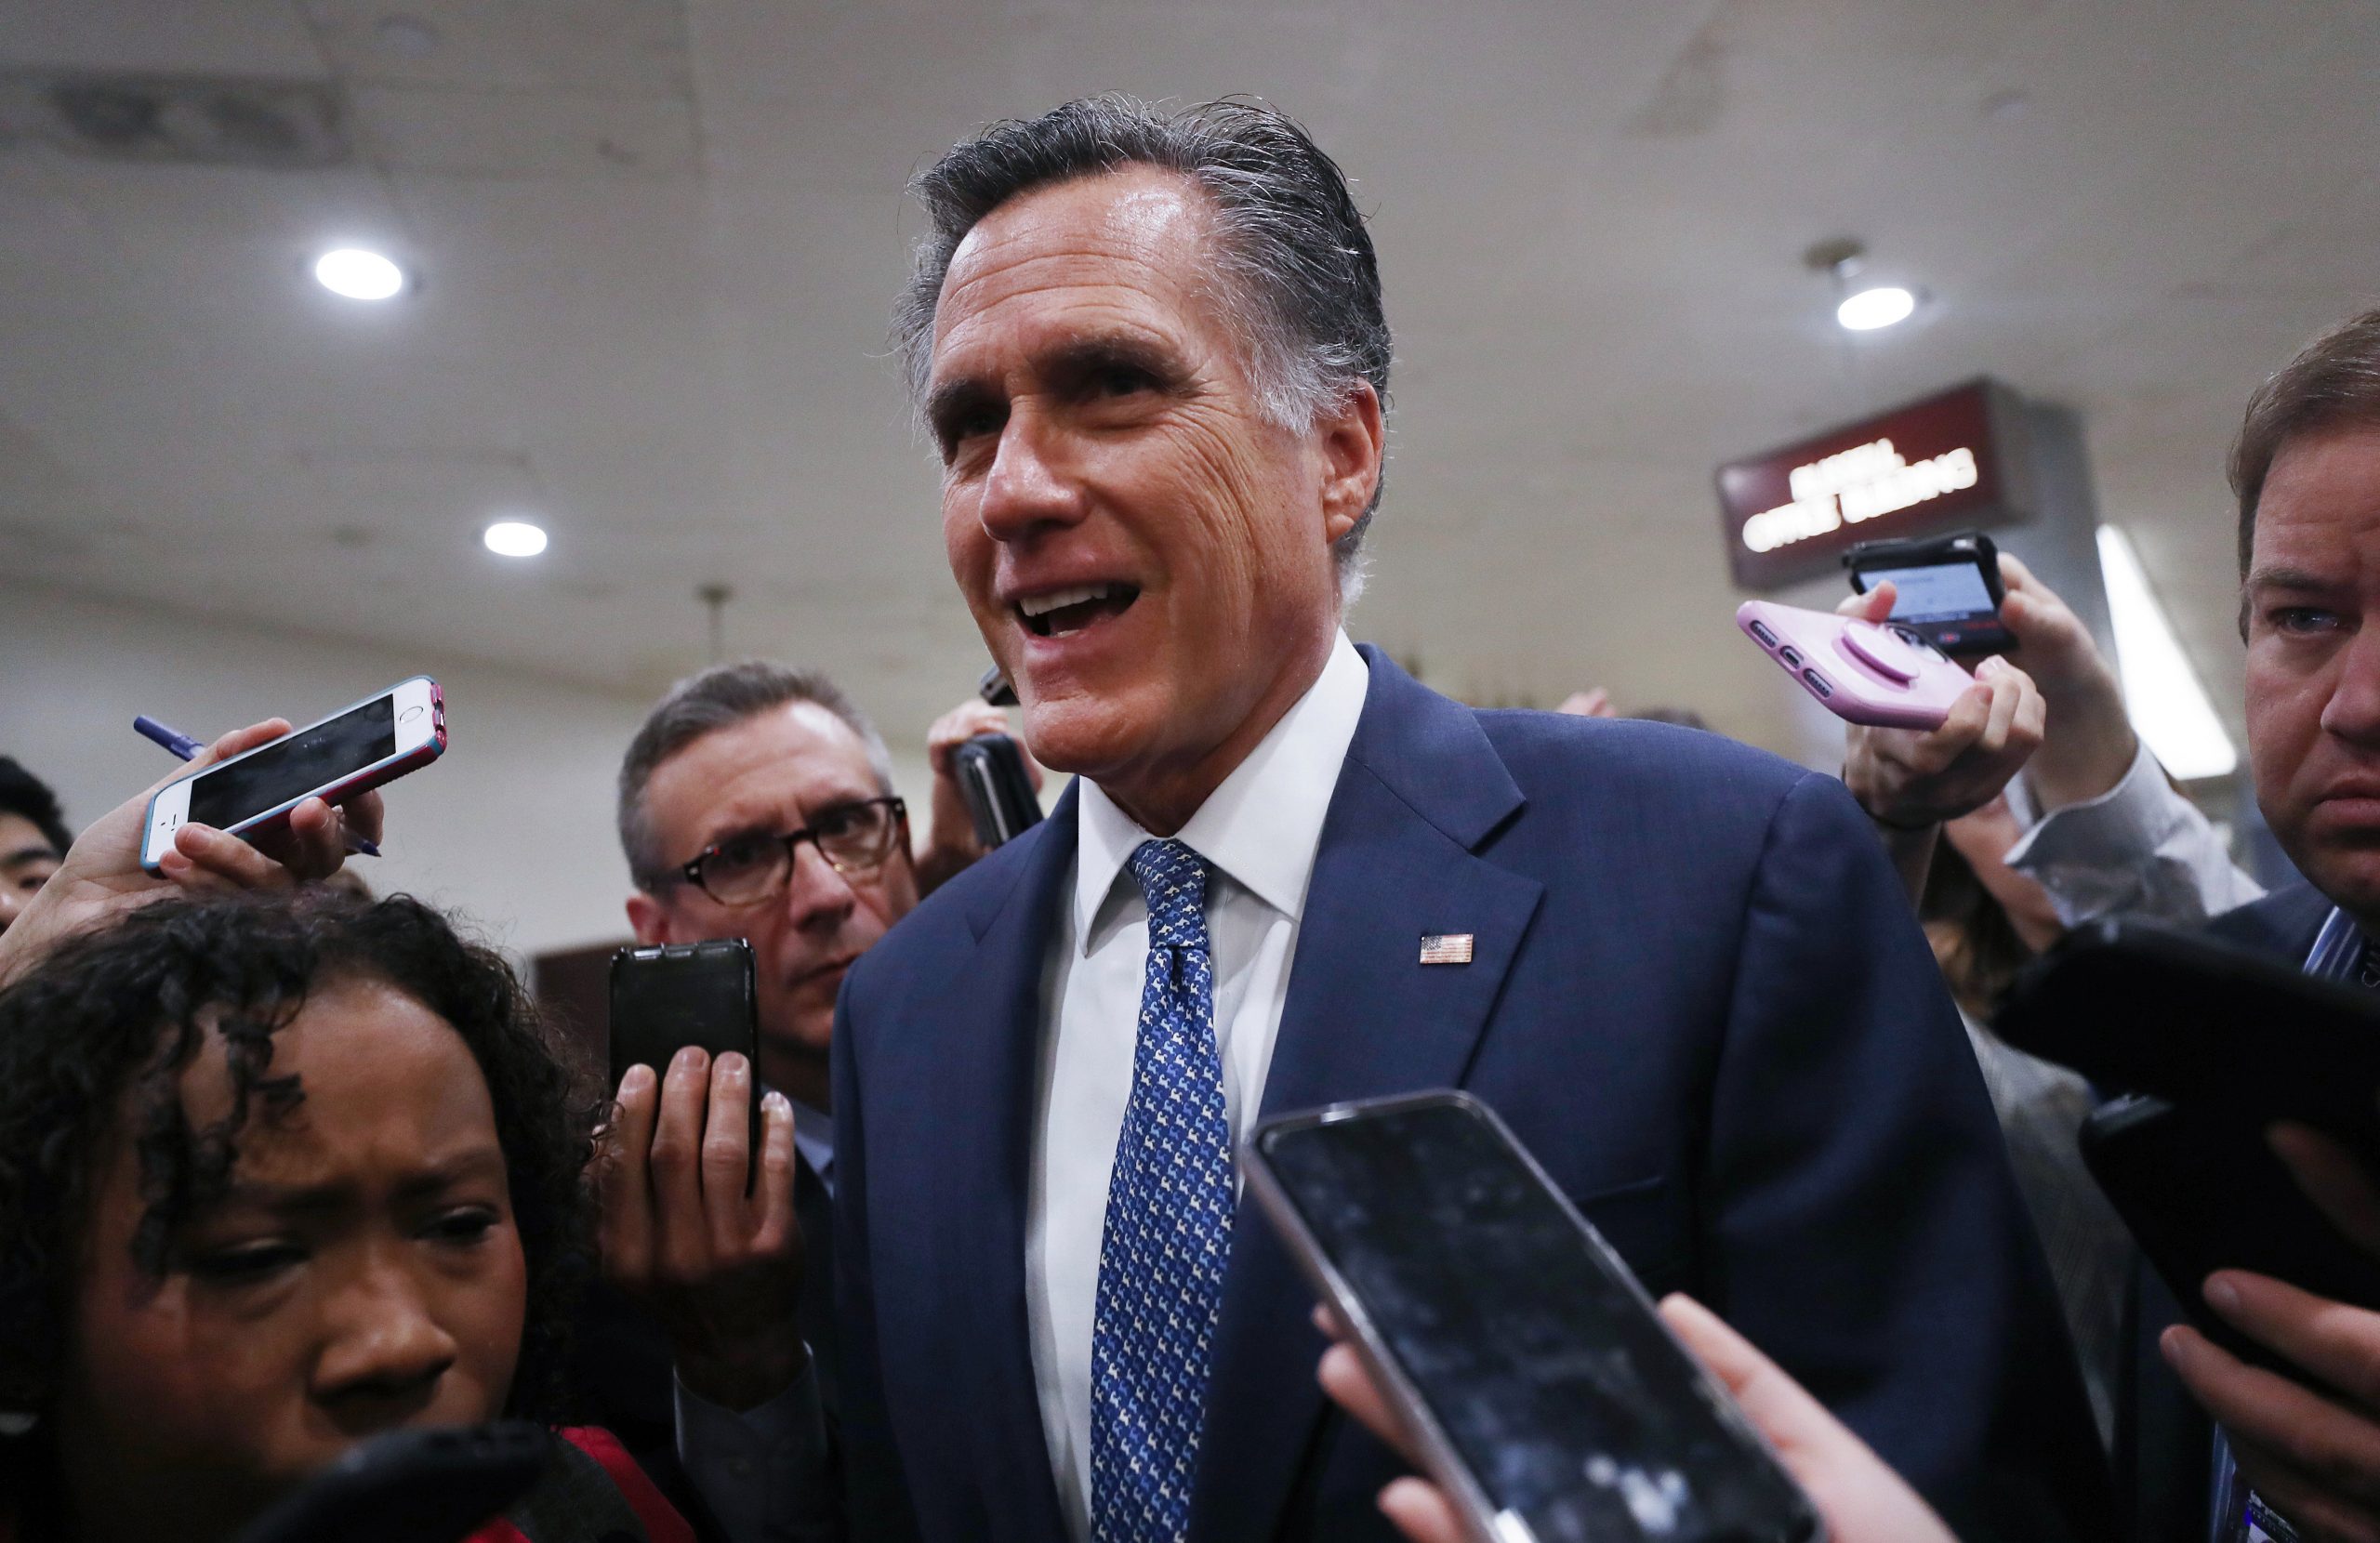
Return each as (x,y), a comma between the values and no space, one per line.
(1148,239)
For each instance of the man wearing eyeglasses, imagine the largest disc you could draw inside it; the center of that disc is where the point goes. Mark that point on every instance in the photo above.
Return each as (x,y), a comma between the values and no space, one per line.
(756,802)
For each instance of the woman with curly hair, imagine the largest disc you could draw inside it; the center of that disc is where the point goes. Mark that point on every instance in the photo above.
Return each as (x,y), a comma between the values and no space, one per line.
(278,1174)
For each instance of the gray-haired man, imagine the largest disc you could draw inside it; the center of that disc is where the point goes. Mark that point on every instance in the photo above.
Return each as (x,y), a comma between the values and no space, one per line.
(1151,349)
(755,802)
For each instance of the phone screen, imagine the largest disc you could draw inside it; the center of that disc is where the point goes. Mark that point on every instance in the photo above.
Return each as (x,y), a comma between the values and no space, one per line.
(1949,592)
(1558,1389)
(291,767)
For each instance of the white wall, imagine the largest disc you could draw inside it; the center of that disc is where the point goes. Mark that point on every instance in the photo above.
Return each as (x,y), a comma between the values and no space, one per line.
(512,827)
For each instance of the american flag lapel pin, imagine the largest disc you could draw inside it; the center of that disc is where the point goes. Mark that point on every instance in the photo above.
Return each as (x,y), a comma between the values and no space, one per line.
(1446,948)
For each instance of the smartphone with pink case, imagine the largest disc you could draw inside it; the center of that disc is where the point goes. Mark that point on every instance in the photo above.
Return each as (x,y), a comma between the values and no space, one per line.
(1862,672)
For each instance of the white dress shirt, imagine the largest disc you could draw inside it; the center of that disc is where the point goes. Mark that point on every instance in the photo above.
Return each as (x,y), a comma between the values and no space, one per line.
(1259,832)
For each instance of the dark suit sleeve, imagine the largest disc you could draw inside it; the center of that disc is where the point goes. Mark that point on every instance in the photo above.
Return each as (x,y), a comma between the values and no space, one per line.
(1859,1219)
(876,1494)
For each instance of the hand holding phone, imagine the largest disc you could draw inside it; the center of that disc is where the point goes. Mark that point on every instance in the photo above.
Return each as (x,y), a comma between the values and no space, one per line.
(349,753)
(104,874)
(1948,588)
(695,1176)
(1858,1495)
(1912,780)
(1861,671)
(1546,1395)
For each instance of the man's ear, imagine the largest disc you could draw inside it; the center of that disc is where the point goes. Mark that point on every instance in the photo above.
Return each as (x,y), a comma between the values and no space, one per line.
(1354,440)
(648,919)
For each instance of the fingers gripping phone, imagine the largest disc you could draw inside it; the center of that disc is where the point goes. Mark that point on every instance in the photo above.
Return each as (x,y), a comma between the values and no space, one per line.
(1548,1397)
(998,790)
(1946,588)
(667,996)
(1863,672)
(353,750)
(2200,1191)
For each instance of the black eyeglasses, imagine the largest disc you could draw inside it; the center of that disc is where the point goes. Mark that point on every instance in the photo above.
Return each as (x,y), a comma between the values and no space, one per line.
(853,838)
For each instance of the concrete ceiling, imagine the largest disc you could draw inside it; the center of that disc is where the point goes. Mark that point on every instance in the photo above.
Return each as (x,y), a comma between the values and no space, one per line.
(658,239)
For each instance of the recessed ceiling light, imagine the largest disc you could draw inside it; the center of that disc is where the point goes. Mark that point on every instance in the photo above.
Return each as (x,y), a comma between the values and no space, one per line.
(1876,308)
(515,538)
(358,274)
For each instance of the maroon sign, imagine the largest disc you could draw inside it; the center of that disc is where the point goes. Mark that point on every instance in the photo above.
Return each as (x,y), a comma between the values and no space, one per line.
(1950,462)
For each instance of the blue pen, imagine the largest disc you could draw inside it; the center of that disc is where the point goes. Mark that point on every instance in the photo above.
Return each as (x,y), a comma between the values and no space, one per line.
(184,747)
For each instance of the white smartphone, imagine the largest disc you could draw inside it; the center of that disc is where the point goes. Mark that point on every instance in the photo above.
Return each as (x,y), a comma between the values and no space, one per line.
(353,750)
(1546,1395)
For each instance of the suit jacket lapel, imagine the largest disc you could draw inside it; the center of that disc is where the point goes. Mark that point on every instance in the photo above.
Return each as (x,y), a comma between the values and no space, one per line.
(986,1102)
(1422,788)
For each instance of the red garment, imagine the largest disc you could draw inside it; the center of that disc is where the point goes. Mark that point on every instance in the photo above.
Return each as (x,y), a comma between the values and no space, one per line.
(662,1523)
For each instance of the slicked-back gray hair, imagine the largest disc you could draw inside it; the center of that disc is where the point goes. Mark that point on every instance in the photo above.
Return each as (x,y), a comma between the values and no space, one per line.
(718,698)
(1293,264)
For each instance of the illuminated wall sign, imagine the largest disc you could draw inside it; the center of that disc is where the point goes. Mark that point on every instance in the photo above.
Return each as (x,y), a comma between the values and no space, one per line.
(1949,462)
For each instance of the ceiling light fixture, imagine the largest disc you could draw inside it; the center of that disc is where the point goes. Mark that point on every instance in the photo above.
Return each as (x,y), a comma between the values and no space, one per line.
(358,274)
(1870,309)
(515,538)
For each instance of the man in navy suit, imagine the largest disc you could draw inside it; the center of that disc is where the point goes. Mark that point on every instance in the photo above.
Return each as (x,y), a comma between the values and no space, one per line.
(2306,470)
(1150,354)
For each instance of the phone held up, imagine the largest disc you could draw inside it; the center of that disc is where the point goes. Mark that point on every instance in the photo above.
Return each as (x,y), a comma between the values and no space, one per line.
(665,997)
(1548,1397)
(1000,798)
(1877,673)
(1946,588)
(358,748)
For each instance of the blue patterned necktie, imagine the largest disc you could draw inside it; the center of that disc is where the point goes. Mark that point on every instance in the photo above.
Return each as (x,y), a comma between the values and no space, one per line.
(1169,1226)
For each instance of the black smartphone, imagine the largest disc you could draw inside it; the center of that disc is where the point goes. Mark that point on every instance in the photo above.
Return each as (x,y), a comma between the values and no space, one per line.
(999,792)
(1546,1394)
(667,996)
(1947,588)
(993,687)
(437,1485)
(2202,1191)
(2138,1007)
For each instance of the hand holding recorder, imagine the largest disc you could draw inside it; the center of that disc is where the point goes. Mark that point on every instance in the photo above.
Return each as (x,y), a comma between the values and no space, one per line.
(103,873)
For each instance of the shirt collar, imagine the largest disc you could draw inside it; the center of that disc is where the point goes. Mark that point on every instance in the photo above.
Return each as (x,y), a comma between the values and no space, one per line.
(1263,827)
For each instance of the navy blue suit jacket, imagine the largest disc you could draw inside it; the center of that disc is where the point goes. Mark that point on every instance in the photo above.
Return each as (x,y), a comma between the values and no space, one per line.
(1698,993)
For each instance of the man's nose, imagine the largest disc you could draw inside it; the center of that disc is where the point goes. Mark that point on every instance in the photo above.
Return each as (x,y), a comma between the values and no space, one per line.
(1030,485)
(818,896)
(2353,712)
(383,1342)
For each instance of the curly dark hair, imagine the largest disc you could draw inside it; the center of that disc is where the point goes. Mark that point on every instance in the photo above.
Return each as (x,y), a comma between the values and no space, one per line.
(125,1010)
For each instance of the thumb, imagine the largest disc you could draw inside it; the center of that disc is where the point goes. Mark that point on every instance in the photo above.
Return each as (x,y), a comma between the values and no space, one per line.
(1873,606)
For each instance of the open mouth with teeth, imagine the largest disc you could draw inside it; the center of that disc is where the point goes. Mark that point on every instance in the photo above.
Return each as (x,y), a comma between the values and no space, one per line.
(1063,610)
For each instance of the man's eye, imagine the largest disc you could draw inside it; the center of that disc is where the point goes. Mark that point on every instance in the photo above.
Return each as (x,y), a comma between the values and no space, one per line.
(742,852)
(246,1264)
(971,424)
(1123,380)
(2304,619)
